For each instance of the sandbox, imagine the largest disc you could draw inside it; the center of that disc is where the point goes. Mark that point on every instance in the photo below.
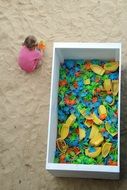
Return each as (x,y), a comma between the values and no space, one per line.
(80,52)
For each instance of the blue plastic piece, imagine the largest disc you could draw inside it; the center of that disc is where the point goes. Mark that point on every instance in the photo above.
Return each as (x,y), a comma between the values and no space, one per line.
(92,149)
(69,63)
(109,99)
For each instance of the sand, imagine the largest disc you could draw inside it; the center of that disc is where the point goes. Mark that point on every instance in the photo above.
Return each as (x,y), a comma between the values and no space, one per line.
(24,98)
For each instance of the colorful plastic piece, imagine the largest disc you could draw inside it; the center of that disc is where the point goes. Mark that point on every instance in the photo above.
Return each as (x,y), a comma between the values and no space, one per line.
(41,45)
(82,133)
(106,149)
(109,99)
(107,85)
(97,69)
(87,81)
(62,146)
(94,131)
(88,122)
(65,128)
(111,66)
(115,87)
(82,111)
(89,117)
(63,82)
(71,119)
(102,112)
(97,139)
(87,66)
(112,130)
(96,120)
(93,154)
(64,131)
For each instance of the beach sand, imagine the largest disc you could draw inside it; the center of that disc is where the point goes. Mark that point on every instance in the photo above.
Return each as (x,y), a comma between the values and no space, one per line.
(24,98)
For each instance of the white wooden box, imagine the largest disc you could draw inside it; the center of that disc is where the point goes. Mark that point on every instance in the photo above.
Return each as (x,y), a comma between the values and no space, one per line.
(63,51)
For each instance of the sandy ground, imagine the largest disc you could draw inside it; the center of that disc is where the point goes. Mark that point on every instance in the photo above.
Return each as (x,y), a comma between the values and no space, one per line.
(24,98)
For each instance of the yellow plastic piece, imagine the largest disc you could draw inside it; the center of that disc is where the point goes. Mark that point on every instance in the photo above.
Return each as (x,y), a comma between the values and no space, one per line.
(115,87)
(97,69)
(107,84)
(106,149)
(87,81)
(108,128)
(96,119)
(93,154)
(94,131)
(65,128)
(71,119)
(97,139)
(102,110)
(64,131)
(82,134)
(83,111)
(61,144)
(89,117)
(111,66)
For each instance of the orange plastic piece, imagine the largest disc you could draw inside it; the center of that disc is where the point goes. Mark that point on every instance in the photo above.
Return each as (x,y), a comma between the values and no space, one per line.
(112,163)
(66,101)
(97,80)
(75,85)
(77,74)
(103,116)
(69,102)
(62,82)
(41,45)
(94,99)
(116,113)
(109,92)
(69,150)
(87,66)
(62,158)
(73,101)
(76,150)
(77,131)
(98,90)
(89,122)
(102,130)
